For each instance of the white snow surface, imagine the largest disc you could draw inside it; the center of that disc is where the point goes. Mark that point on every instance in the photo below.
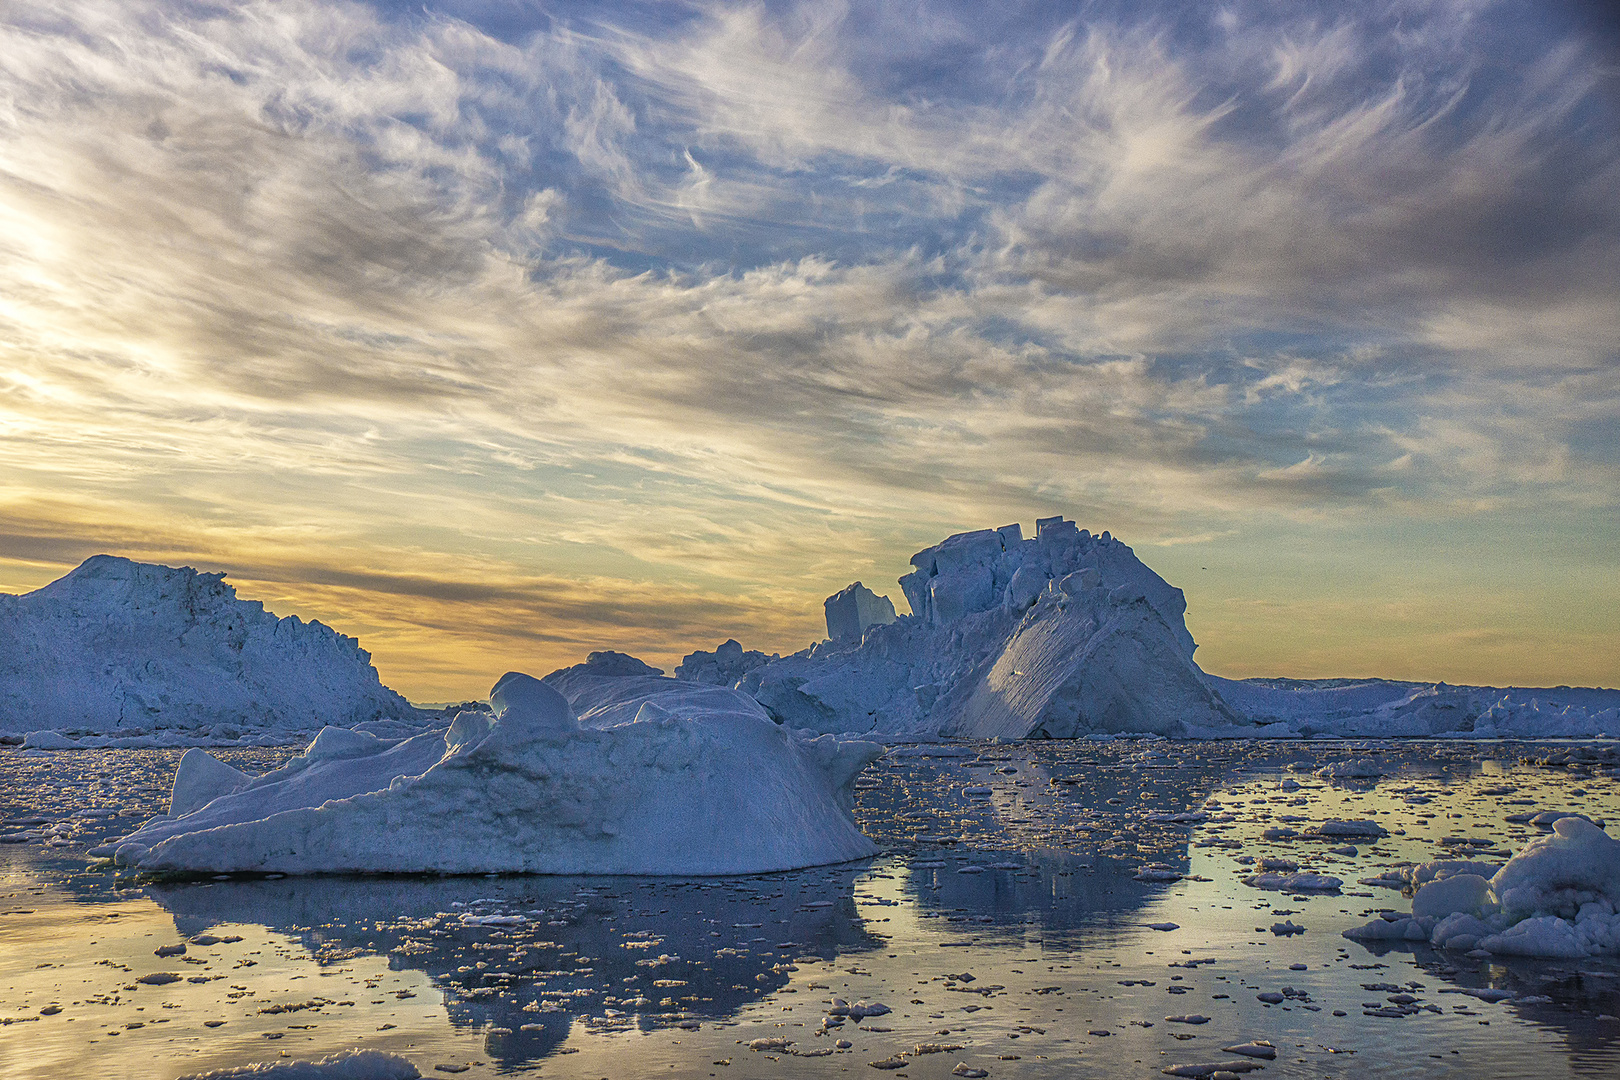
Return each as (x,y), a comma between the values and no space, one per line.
(1063,635)
(134,650)
(584,773)
(1558,897)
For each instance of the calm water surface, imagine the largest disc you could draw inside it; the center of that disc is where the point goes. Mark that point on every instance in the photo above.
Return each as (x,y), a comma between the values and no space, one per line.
(1006,928)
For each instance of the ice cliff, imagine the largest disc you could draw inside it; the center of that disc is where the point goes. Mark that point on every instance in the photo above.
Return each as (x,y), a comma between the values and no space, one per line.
(1059,635)
(117,645)
(603,768)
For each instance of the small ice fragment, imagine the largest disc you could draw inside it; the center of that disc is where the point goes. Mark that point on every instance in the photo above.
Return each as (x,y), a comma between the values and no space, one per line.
(1259,1048)
(343,1065)
(1210,1068)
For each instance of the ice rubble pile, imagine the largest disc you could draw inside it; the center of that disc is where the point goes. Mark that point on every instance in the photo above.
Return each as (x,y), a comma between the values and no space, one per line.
(728,663)
(1558,897)
(601,769)
(1381,708)
(1059,635)
(123,647)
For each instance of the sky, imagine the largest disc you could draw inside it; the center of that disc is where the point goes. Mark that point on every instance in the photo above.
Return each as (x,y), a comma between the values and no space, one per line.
(494,333)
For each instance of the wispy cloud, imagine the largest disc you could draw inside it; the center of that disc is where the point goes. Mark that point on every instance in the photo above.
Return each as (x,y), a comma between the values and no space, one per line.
(746,301)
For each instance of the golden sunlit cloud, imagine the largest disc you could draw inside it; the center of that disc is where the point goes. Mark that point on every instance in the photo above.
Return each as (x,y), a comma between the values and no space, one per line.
(497,347)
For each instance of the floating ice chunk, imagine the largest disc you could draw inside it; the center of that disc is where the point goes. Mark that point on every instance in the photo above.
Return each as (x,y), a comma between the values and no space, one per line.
(1451,895)
(48,740)
(1557,874)
(1207,1069)
(1259,1048)
(1546,936)
(1556,898)
(1293,882)
(1548,818)
(344,1065)
(1352,770)
(1460,930)
(1065,635)
(1350,828)
(654,776)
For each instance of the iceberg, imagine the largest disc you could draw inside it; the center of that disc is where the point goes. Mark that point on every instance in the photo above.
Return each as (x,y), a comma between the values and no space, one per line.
(1384,708)
(599,769)
(1557,897)
(123,647)
(1061,635)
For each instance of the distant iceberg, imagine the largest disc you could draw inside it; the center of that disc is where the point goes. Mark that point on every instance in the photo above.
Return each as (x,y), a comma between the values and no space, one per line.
(598,770)
(1068,634)
(1061,635)
(1384,708)
(124,648)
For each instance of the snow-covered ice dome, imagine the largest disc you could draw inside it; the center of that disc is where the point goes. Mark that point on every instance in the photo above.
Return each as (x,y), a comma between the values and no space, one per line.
(597,770)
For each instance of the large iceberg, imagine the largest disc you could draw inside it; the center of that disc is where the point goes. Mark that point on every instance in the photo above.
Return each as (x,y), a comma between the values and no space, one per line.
(1068,634)
(117,646)
(603,768)
(1060,635)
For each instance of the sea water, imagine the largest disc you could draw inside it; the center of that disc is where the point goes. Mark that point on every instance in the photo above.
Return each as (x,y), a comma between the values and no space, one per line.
(1040,909)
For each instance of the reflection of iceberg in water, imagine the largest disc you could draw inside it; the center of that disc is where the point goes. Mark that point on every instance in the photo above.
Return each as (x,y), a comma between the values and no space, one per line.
(1057,893)
(524,958)
(1041,840)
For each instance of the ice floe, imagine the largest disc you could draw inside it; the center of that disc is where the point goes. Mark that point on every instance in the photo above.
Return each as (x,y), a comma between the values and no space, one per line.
(589,772)
(1557,897)
(345,1065)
